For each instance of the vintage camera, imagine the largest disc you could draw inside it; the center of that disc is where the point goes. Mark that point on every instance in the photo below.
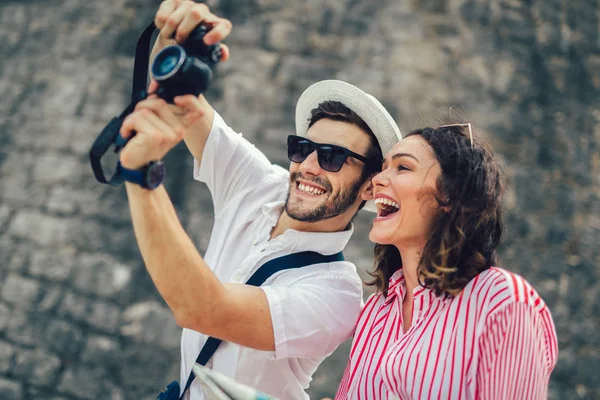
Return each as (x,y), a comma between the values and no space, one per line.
(187,68)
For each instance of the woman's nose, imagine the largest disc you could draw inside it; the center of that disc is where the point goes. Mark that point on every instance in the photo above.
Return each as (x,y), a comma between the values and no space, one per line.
(380,179)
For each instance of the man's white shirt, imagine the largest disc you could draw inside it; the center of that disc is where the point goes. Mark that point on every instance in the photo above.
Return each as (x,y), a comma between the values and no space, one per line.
(313,309)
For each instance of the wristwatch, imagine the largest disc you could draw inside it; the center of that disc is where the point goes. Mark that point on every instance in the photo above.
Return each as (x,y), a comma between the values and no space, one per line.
(149,177)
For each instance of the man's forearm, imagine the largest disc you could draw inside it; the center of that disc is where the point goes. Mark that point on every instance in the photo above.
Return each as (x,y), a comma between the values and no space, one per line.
(233,312)
(180,274)
(195,139)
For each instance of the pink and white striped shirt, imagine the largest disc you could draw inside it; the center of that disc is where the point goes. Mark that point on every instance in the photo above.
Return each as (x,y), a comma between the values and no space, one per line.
(496,340)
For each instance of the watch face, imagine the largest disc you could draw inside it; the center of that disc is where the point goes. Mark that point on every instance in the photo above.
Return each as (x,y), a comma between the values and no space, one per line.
(155,174)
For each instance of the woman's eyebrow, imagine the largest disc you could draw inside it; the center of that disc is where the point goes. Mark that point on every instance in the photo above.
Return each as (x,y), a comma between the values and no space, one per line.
(400,155)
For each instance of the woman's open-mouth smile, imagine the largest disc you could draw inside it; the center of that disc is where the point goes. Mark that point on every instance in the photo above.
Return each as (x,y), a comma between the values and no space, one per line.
(386,208)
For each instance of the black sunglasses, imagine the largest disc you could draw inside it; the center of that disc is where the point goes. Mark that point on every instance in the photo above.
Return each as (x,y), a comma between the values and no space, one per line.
(330,156)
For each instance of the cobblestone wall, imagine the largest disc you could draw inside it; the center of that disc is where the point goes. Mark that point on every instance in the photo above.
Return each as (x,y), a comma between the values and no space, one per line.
(79,317)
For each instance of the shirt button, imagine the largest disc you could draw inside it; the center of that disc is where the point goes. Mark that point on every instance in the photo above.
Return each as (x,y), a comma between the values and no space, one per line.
(254,242)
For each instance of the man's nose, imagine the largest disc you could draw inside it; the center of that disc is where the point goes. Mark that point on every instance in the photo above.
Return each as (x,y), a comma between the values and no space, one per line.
(311,164)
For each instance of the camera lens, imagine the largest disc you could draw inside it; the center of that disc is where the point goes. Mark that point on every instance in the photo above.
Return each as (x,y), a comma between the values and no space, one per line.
(166,65)
(167,62)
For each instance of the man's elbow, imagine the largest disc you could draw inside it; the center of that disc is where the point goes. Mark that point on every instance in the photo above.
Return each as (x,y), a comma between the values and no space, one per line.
(201,316)
(184,319)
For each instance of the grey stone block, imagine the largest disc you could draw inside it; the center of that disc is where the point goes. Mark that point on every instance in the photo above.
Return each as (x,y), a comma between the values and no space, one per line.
(101,350)
(151,322)
(5,314)
(96,237)
(101,274)
(43,229)
(156,364)
(5,214)
(46,135)
(587,364)
(16,192)
(286,37)
(7,352)
(104,316)
(20,291)
(88,202)
(32,392)
(10,390)
(63,338)
(50,298)
(13,256)
(37,367)
(25,328)
(85,382)
(73,305)
(61,200)
(56,263)
(97,314)
(54,168)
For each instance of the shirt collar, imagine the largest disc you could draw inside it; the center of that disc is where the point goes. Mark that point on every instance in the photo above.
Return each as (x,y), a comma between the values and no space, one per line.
(325,243)
(397,287)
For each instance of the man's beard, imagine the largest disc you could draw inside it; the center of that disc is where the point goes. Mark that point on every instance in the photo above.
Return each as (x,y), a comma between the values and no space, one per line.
(331,207)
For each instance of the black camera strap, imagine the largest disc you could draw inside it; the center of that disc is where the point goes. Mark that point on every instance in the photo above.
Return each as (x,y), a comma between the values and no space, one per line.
(290,261)
(141,63)
(110,133)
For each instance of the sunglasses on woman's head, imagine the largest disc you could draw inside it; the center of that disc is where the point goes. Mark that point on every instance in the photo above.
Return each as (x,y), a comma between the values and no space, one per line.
(330,156)
(467,125)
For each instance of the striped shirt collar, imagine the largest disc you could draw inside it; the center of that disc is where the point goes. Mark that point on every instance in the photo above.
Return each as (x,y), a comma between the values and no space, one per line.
(397,288)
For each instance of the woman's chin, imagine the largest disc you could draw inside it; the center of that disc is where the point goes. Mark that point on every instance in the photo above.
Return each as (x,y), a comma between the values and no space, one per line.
(378,237)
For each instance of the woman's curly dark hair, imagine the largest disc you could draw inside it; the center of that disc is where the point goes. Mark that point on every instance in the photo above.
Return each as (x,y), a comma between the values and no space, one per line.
(465,238)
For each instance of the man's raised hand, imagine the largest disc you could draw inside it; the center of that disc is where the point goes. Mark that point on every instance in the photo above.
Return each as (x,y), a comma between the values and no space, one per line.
(176,19)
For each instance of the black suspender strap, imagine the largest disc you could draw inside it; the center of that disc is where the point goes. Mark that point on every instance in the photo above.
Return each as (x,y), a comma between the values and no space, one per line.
(290,261)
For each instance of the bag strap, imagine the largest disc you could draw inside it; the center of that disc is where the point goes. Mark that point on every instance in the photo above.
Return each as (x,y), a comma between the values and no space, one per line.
(268,269)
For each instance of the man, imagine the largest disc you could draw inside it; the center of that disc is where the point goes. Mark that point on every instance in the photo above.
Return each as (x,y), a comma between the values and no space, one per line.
(275,335)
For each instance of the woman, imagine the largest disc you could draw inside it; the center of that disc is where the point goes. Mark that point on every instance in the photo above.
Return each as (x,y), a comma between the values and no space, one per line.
(446,323)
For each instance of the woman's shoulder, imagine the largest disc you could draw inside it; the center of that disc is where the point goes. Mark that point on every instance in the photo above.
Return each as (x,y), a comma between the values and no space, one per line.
(497,287)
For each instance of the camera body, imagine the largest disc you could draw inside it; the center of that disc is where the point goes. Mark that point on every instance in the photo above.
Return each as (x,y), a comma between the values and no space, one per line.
(186,68)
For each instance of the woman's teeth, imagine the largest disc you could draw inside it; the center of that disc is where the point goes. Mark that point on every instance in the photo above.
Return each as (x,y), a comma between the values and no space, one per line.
(387,202)
(386,206)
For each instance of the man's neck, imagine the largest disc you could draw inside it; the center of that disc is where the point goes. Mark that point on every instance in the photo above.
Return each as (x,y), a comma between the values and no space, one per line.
(285,222)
